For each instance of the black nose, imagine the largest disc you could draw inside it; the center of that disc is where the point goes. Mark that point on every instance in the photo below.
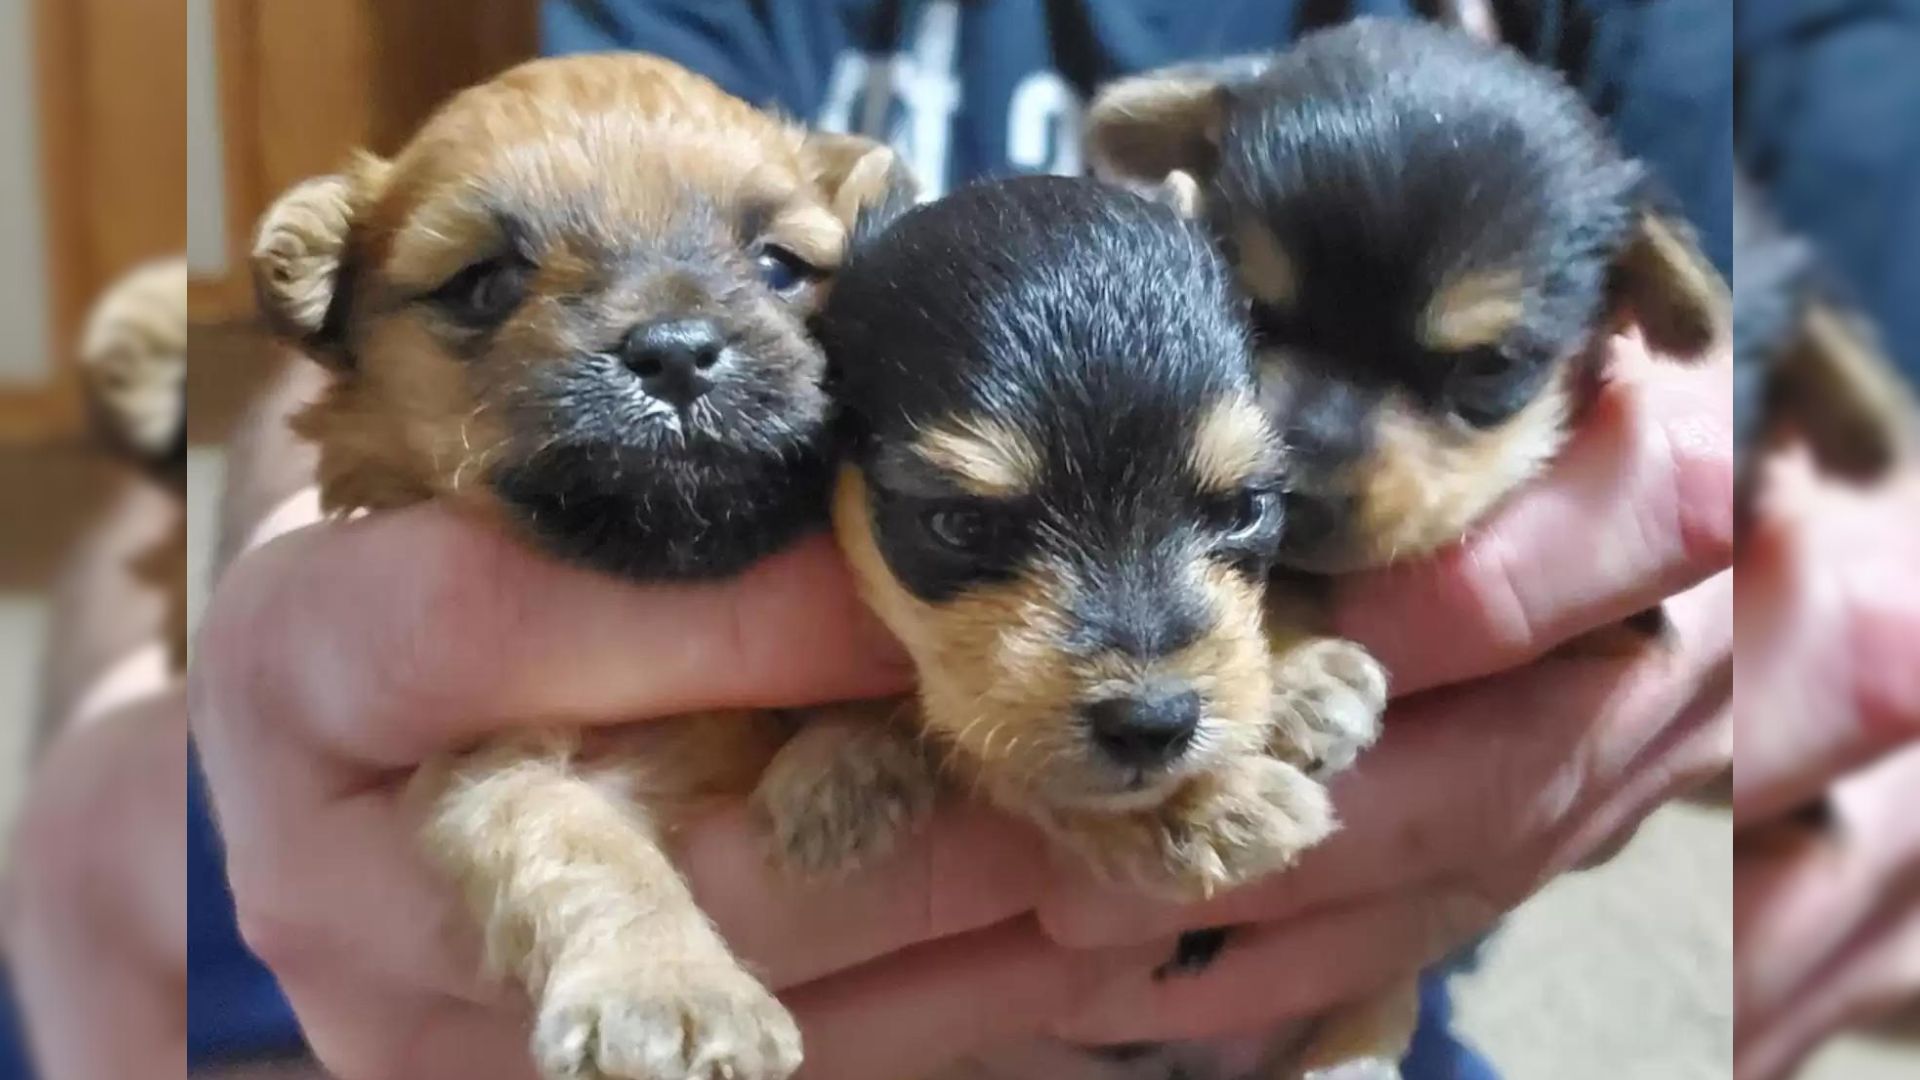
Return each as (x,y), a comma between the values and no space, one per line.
(1146,730)
(674,358)
(1327,422)
(1311,521)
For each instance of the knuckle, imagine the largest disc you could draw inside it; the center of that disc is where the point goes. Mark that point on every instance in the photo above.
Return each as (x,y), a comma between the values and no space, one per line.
(454,614)
(1493,598)
(284,940)
(1700,462)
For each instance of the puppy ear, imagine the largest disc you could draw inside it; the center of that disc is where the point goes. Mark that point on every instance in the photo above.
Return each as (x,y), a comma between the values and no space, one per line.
(1663,282)
(1143,128)
(866,182)
(1834,388)
(1178,190)
(301,255)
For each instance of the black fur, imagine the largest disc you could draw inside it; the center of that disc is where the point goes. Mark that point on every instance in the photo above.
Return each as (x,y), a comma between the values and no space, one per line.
(1389,158)
(1097,326)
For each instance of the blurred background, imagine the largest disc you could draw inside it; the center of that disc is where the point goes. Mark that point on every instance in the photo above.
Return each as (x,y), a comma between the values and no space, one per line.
(135,130)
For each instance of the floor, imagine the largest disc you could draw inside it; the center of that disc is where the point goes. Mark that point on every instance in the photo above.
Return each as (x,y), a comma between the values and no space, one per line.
(1620,973)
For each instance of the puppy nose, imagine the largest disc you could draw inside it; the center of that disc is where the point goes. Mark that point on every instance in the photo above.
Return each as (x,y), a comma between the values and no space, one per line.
(1310,521)
(674,358)
(1145,730)
(1326,423)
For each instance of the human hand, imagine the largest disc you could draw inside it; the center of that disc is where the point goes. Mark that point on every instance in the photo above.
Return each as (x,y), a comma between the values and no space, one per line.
(337,658)
(96,893)
(1480,791)
(1826,913)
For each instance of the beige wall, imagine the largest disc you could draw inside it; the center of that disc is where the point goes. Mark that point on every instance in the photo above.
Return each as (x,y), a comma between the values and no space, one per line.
(23,285)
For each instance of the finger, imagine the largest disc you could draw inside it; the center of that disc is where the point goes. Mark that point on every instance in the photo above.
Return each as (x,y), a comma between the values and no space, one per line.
(969,869)
(1874,977)
(367,1029)
(389,638)
(929,1006)
(1829,637)
(1296,968)
(290,880)
(1801,894)
(1462,777)
(1648,478)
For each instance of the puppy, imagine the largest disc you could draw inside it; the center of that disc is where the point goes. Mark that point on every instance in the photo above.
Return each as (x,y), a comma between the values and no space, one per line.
(1062,496)
(574,306)
(133,359)
(1437,240)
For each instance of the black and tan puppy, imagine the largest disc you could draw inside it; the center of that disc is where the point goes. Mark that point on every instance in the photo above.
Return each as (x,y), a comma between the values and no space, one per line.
(1439,240)
(574,306)
(1063,497)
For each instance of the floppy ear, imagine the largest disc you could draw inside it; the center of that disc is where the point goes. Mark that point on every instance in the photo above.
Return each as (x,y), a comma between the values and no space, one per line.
(300,259)
(1835,388)
(1178,189)
(1663,282)
(1142,128)
(866,182)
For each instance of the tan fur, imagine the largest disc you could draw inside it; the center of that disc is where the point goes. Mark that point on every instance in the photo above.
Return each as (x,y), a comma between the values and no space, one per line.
(1147,127)
(988,458)
(1472,310)
(1424,485)
(1001,692)
(1233,446)
(624,135)
(133,355)
(561,851)
(1844,398)
(1669,288)
(849,786)
(1266,272)
(559,839)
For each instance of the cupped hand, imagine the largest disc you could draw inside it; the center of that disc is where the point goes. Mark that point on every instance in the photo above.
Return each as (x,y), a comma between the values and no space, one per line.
(1827,905)
(1507,758)
(340,656)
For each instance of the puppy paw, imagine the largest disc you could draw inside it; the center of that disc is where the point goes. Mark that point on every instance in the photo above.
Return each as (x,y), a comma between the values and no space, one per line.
(1223,831)
(644,1022)
(1328,695)
(845,790)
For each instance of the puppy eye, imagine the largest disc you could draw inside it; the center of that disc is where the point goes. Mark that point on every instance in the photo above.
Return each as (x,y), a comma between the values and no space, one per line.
(781,270)
(1482,388)
(963,530)
(486,292)
(1245,513)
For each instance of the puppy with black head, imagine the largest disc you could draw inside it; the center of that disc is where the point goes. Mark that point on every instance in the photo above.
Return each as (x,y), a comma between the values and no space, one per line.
(1063,497)
(1439,240)
(573,306)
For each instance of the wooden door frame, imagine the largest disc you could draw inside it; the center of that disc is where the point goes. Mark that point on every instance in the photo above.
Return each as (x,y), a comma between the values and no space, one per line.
(54,410)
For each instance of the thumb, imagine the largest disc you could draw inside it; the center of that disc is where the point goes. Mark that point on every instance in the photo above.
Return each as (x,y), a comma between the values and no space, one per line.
(398,635)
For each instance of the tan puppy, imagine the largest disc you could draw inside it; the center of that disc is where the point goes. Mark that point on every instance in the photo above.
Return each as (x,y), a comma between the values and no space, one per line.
(574,306)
